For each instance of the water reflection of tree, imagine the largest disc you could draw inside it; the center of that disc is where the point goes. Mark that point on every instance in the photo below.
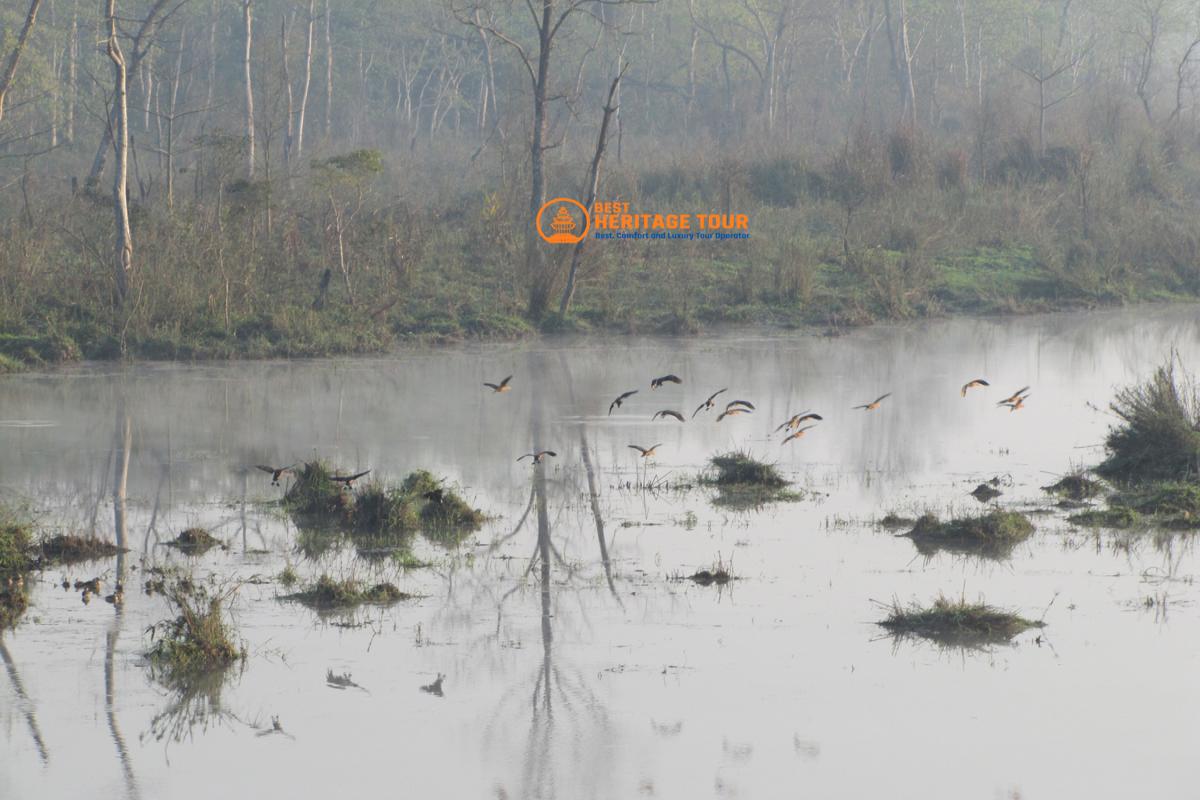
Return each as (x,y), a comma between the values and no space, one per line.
(27,707)
(122,445)
(562,704)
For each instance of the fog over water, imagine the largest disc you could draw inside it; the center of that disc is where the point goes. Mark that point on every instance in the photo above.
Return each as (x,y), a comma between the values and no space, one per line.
(593,672)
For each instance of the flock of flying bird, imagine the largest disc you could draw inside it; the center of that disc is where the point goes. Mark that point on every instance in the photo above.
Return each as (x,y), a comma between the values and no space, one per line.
(794,425)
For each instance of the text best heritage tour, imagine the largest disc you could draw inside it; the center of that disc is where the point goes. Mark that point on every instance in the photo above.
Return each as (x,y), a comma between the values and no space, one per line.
(612,217)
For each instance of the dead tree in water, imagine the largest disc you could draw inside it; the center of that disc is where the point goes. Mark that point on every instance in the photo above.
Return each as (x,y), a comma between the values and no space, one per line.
(610,108)
(14,58)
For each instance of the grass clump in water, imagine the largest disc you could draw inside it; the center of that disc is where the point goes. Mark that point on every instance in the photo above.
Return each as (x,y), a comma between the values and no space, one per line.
(15,538)
(1114,517)
(994,534)
(199,638)
(1075,486)
(1165,499)
(69,548)
(956,623)
(381,511)
(446,515)
(288,577)
(195,541)
(739,468)
(744,482)
(315,492)
(1158,437)
(986,492)
(329,593)
(421,502)
(719,573)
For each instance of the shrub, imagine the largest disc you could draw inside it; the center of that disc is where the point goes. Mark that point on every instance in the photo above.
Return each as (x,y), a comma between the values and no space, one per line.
(199,638)
(1158,437)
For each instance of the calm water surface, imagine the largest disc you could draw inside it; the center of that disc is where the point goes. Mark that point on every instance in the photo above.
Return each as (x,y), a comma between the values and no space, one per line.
(569,674)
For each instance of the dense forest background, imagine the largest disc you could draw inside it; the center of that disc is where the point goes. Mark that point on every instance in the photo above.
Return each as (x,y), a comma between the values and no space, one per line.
(200,178)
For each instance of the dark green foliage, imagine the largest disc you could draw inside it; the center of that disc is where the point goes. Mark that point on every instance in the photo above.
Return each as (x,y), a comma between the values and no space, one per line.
(1158,438)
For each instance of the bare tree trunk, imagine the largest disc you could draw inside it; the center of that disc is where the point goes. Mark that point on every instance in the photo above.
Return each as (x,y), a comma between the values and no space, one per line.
(174,99)
(966,49)
(72,69)
(910,97)
(491,77)
(214,15)
(123,262)
(288,130)
(902,60)
(308,52)
(328,72)
(1180,78)
(14,58)
(537,176)
(248,33)
(55,84)
(136,53)
(610,108)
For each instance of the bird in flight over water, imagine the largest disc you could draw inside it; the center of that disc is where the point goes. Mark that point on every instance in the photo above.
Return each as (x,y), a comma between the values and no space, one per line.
(971,385)
(797,420)
(276,472)
(666,412)
(539,456)
(621,399)
(798,434)
(1015,396)
(502,386)
(708,404)
(874,404)
(646,451)
(658,382)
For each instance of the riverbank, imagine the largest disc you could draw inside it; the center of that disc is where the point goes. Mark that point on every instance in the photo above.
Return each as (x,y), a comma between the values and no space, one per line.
(714,294)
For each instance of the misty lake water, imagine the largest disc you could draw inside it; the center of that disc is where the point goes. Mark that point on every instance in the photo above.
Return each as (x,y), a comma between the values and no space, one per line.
(621,681)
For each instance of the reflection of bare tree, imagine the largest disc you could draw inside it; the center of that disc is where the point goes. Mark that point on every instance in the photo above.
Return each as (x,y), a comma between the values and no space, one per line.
(110,694)
(19,687)
(122,444)
(593,490)
(561,701)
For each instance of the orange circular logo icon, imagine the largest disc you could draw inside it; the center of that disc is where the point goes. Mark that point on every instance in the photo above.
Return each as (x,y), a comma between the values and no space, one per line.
(563,226)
